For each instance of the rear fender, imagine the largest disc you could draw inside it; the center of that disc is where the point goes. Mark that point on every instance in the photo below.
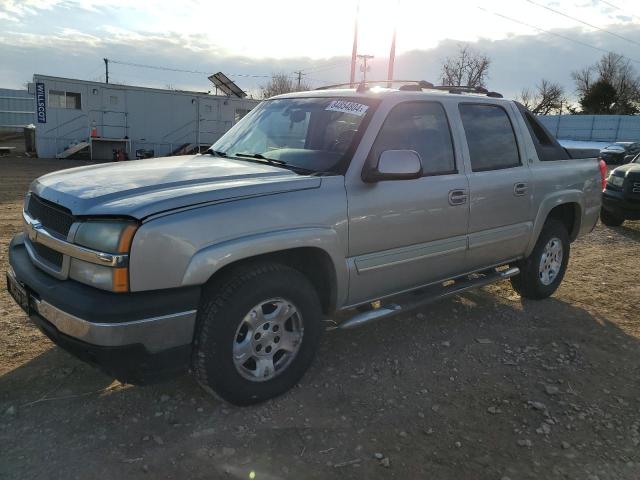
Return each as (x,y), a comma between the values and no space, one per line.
(549,203)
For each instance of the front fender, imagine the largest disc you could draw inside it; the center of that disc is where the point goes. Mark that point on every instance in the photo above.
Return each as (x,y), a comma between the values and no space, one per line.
(212,258)
(549,203)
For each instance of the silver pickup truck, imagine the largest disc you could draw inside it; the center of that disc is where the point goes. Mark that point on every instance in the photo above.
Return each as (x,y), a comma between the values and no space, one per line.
(333,207)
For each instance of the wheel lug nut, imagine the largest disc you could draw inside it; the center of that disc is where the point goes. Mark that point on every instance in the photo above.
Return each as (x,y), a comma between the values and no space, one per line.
(258,347)
(265,326)
(257,336)
(276,339)
(268,349)
(275,328)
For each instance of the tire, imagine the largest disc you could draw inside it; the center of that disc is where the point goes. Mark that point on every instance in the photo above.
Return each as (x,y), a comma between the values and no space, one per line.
(535,281)
(610,219)
(235,319)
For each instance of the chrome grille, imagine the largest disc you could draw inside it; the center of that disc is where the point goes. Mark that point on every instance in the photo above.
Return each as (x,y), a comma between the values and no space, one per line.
(52,217)
(48,255)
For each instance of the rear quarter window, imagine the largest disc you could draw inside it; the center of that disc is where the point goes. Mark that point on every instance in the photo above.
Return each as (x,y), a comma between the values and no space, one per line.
(547,147)
(490,137)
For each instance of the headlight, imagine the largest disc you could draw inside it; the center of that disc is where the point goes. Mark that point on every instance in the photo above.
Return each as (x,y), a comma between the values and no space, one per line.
(615,180)
(108,236)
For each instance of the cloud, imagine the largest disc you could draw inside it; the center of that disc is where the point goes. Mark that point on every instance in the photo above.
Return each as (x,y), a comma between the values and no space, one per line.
(68,50)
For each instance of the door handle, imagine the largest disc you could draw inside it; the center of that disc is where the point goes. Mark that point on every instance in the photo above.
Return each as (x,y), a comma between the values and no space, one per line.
(520,189)
(457,197)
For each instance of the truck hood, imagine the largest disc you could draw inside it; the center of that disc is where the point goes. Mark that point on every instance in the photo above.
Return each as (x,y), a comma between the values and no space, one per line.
(627,168)
(144,187)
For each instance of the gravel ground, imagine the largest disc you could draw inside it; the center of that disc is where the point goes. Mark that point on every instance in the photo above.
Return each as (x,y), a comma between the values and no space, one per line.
(482,386)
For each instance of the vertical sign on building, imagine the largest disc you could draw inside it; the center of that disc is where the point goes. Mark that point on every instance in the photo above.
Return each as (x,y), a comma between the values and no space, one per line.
(41,103)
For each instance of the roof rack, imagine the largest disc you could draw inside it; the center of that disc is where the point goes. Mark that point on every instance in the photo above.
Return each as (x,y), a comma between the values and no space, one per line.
(417,86)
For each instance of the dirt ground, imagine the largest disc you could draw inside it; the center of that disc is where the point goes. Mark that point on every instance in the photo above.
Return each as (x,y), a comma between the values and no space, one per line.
(482,386)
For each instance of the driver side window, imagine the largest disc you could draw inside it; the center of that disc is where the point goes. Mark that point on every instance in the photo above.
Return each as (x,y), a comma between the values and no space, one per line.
(422,127)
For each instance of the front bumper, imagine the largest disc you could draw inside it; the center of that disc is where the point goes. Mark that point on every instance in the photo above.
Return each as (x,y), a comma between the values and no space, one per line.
(137,337)
(616,203)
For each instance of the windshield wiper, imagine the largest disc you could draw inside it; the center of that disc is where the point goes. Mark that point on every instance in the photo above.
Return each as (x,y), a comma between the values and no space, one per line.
(217,153)
(276,163)
(259,156)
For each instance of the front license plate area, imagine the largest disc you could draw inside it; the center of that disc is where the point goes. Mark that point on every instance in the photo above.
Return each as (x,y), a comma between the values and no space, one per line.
(18,293)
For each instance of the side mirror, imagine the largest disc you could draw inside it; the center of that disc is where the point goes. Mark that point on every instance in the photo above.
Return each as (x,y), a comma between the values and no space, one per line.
(396,165)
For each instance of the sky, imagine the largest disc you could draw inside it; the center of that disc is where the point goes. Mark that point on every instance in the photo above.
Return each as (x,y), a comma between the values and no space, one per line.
(251,39)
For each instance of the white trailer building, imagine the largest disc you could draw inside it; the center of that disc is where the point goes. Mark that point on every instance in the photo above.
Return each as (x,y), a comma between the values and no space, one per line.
(75,116)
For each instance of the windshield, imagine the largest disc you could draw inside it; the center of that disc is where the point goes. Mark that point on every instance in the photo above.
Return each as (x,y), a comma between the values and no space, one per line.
(616,147)
(313,134)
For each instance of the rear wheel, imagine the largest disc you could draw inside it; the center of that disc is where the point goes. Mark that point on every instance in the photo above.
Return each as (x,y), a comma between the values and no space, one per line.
(542,272)
(259,328)
(610,219)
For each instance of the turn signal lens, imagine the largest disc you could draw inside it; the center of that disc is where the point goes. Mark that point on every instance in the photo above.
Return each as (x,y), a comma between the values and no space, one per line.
(120,280)
(126,238)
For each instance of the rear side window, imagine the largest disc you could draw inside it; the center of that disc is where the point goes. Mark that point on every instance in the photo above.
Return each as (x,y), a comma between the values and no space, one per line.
(490,137)
(419,126)
(547,147)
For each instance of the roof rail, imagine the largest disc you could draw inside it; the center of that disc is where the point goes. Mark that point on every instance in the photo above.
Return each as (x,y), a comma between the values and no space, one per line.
(364,85)
(458,89)
(416,86)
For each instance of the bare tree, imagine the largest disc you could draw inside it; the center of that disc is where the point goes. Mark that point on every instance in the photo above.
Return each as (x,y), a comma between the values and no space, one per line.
(545,99)
(282,83)
(468,68)
(617,71)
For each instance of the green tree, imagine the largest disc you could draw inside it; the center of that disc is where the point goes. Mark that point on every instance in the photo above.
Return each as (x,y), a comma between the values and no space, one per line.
(599,99)
(611,71)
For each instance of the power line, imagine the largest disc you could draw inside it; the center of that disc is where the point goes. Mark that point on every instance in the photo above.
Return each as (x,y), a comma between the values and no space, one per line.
(326,67)
(610,4)
(583,22)
(198,72)
(618,8)
(579,42)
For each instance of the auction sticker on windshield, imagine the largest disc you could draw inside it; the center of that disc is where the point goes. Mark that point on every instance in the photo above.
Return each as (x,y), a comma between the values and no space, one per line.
(354,108)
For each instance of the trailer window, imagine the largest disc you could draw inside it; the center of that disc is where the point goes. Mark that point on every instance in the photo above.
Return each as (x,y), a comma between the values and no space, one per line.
(69,100)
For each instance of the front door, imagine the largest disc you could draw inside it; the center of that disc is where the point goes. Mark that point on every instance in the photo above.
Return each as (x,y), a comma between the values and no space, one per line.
(114,122)
(407,233)
(500,218)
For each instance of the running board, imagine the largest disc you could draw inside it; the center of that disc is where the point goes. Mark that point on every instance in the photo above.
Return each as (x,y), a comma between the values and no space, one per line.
(423,296)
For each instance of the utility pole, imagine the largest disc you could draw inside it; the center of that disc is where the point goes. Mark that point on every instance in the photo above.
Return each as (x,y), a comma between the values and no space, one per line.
(354,50)
(106,70)
(364,67)
(299,74)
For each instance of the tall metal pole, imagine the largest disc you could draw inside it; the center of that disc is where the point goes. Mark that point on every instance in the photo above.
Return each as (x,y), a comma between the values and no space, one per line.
(354,50)
(392,58)
(106,70)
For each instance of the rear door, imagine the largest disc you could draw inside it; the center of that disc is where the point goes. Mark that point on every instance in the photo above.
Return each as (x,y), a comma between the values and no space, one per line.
(406,233)
(500,217)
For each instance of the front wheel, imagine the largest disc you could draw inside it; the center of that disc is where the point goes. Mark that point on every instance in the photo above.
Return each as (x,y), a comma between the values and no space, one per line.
(259,328)
(610,219)
(542,272)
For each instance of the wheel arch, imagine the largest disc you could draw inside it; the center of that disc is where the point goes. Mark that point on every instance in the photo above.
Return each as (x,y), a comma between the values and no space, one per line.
(318,256)
(566,207)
